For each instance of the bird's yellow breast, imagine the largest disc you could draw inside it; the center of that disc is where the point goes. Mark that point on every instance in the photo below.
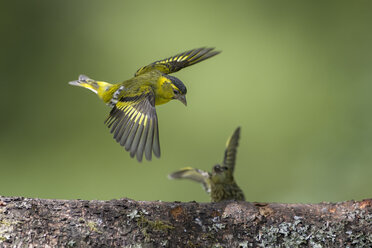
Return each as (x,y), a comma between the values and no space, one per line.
(160,100)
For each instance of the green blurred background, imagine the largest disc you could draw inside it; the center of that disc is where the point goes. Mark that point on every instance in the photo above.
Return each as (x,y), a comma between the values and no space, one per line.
(295,75)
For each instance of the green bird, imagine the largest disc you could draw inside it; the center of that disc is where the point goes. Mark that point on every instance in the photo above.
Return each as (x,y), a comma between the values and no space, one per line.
(220,184)
(133,120)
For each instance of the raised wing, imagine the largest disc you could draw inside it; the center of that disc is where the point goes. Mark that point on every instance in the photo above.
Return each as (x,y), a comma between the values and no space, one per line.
(231,150)
(179,61)
(134,123)
(193,174)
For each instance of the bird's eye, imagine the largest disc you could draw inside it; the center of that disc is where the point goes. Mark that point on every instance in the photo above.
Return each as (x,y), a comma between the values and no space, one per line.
(175,92)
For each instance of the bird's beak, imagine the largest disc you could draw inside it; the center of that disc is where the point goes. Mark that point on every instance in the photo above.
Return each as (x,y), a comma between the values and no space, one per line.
(182,98)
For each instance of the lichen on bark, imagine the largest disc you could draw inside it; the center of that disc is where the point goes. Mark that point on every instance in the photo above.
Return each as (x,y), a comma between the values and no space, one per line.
(128,223)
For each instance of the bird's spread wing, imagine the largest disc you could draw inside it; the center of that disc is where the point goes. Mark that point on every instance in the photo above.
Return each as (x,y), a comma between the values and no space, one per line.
(179,61)
(196,175)
(231,149)
(134,123)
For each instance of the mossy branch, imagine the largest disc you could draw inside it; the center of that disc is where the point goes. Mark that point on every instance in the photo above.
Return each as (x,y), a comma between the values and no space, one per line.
(127,223)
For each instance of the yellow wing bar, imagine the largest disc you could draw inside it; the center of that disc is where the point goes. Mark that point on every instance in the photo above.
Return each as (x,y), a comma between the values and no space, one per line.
(179,61)
(193,174)
(134,123)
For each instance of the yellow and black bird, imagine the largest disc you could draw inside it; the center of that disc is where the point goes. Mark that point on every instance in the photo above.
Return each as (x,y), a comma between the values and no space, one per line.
(133,120)
(220,184)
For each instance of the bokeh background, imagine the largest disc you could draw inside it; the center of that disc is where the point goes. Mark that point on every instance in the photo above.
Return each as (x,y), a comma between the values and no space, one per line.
(295,75)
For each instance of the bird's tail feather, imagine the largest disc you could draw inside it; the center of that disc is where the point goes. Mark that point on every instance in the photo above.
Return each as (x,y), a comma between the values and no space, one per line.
(86,82)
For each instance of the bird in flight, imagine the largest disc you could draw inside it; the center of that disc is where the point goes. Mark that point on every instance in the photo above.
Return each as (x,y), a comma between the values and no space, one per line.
(133,120)
(220,184)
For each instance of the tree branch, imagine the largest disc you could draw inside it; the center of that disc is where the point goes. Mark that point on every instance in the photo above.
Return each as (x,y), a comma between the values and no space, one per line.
(127,223)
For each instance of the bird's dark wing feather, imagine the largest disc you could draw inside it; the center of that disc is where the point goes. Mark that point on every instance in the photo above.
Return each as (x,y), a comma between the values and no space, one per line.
(193,174)
(231,150)
(134,123)
(179,61)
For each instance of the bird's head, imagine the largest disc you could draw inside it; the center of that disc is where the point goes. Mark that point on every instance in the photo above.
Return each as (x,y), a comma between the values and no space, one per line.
(220,174)
(177,90)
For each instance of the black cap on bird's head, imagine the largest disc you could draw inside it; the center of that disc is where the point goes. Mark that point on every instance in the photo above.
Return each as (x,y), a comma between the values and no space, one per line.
(219,169)
(179,89)
(178,83)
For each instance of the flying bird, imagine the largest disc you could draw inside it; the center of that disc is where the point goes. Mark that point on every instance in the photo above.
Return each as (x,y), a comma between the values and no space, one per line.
(220,183)
(133,120)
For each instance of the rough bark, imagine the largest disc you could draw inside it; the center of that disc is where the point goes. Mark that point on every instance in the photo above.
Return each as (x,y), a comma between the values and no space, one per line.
(127,223)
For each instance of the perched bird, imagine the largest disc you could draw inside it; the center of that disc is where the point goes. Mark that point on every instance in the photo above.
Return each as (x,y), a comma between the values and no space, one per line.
(133,120)
(220,184)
